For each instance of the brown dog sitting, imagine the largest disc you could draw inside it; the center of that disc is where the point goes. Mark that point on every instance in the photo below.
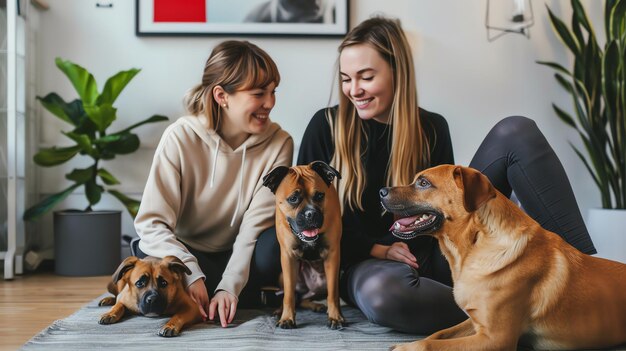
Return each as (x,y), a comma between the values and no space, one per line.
(515,280)
(151,287)
(308,227)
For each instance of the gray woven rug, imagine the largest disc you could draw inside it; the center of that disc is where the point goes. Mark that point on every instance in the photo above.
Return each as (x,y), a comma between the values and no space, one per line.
(252,330)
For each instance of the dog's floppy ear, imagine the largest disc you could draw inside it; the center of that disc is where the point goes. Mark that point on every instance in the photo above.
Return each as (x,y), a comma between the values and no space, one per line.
(325,171)
(125,266)
(274,177)
(176,265)
(477,189)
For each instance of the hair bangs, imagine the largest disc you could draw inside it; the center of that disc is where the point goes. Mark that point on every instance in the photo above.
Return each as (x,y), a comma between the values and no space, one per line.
(260,72)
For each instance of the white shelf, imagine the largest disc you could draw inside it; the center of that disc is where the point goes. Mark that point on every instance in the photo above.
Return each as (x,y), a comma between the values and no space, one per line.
(13,153)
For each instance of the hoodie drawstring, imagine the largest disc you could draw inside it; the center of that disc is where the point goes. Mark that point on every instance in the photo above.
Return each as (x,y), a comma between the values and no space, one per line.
(243,163)
(217,148)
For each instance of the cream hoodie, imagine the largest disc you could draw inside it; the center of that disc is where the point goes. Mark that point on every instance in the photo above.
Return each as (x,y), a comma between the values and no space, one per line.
(209,196)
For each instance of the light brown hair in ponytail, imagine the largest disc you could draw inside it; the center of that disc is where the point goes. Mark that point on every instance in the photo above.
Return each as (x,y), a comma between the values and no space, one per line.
(235,66)
(409,148)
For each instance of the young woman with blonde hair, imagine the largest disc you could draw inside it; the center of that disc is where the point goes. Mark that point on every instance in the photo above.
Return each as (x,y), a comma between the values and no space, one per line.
(379,136)
(204,200)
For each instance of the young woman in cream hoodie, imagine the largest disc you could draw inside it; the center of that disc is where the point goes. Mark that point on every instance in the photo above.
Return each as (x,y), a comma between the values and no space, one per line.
(204,201)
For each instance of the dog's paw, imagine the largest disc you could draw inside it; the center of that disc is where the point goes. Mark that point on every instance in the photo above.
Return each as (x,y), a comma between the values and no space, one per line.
(108,318)
(336,323)
(169,331)
(286,324)
(107,301)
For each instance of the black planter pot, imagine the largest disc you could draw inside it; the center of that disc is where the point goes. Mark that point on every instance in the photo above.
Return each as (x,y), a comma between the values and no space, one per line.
(87,243)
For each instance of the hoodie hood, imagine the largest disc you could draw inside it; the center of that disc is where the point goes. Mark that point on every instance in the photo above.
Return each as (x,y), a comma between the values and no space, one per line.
(199,124)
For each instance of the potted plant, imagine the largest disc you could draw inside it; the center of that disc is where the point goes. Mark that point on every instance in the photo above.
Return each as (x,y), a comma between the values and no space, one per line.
(87,242)
(597,85)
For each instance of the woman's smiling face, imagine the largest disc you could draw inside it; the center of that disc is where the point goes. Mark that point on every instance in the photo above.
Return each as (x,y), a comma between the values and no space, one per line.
(246,112)
(367,80)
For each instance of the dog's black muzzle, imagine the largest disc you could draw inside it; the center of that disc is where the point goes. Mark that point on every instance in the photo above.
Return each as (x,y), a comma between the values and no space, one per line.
(307,220)
(152,303)
(310,217)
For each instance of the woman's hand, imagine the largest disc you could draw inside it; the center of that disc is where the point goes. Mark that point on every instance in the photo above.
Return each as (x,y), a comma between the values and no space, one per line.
(226,305)
(197,291)
(398,251)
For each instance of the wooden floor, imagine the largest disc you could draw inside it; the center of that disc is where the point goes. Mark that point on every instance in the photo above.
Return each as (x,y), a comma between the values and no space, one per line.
(31,302)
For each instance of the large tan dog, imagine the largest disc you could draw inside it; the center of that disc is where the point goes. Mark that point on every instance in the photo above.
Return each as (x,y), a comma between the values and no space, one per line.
(515,280)
(308,227)
(151,287)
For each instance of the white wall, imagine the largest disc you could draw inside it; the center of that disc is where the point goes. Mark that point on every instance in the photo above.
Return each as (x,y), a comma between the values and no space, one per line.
(462,76)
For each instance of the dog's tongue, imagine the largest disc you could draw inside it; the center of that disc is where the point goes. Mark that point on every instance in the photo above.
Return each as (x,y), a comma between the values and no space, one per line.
(406,221)
(309,233)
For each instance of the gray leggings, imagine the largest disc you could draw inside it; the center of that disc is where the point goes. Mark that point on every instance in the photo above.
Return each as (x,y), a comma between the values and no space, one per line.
(395,295)
(515,156)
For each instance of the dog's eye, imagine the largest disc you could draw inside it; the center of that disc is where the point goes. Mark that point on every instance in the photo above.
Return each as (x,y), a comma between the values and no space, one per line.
(422,183)
(318,197)
(162,282)
(293,199)
(140,283)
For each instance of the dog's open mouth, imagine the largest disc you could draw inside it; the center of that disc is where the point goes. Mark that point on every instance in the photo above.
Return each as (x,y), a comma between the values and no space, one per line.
(410,227)
(307,235)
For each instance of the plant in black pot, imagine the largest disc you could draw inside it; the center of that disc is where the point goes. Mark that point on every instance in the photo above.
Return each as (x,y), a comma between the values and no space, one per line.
(597,85)
(87,242)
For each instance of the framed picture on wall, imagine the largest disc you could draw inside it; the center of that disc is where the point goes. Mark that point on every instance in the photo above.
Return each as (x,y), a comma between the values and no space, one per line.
(242,17)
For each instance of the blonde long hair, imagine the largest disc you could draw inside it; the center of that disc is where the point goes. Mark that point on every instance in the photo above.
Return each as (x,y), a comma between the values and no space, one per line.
(409,148)
(234,65)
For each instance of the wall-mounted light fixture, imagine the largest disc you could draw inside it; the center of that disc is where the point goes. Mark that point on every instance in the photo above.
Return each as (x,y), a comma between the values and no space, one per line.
(508,16)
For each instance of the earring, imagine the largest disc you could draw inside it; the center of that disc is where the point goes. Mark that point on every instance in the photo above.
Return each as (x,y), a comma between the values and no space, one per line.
(224,105)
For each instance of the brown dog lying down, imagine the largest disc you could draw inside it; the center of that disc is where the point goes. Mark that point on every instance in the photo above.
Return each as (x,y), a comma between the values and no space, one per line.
(515,280)
(151,287)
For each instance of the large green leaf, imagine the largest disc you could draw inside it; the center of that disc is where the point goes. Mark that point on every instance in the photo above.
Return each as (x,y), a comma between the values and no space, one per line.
(564,116)
(581,16)
(610,83)
(153,119)
(114,86)
(577,30)
(101,115)
(591,75)
(93,192)
(70,113)
(608,6)
(80,176)
(83,141)
(87,127)
(82,80)
(55,156)
(120,144)
(555,66)
(73,110)
(132,205)
(566,36)
(581,95)
(47,204)
(617,20)
(564,83)
(107,177)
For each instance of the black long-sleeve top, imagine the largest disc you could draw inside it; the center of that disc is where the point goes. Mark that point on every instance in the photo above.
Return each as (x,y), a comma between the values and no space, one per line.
(363,229)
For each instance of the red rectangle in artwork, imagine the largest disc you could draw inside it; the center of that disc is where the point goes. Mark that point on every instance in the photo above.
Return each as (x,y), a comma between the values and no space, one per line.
(179,10)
